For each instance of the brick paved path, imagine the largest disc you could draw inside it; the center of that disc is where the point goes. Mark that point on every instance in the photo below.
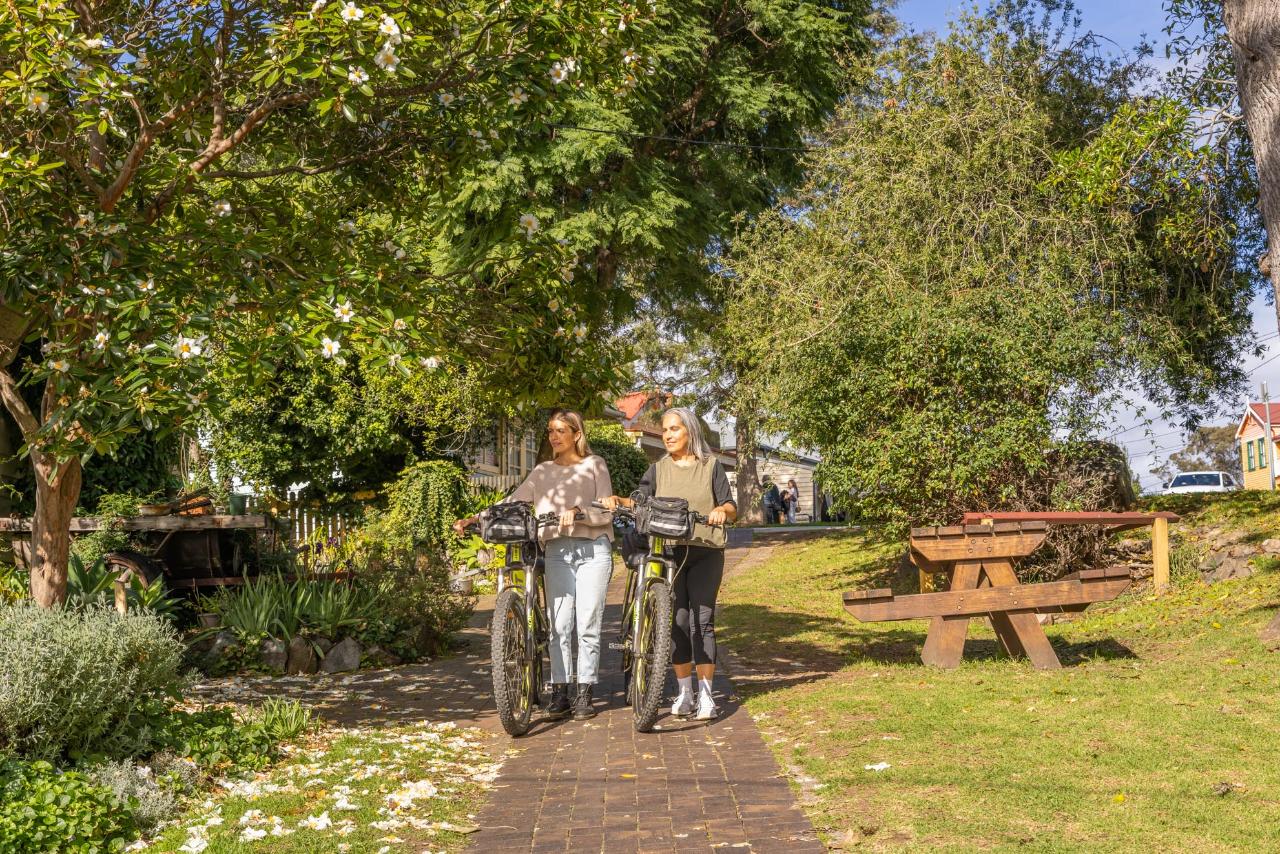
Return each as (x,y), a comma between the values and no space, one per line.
(600,786)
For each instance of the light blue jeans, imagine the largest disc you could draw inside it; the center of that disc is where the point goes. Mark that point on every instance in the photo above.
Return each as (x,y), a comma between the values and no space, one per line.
(577,576)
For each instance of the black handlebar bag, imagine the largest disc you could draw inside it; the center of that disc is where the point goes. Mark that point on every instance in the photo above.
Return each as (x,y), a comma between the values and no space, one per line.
(510,522)
(664,517)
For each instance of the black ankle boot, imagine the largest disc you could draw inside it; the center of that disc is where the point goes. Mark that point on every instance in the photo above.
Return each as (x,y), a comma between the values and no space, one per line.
(582,709)
(559,705)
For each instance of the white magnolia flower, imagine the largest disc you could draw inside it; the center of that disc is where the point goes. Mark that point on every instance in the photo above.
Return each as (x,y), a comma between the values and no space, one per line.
(430,363)
(399,324)
(567,274)
(347,227)
(553,304)
(316,7)
(879,766)
(344,803)
(357,75)
(622,24)
(329,348)
(629,56)
(389,27)
(5,154)
(84,219)
(629,81)
(518,97)
(100,342)
(351,12)
(194,845)
(558,74)
(317,822)
(222,208)
(94,43)
(252,834)
(580,331)
(570,64)
(529,223)
(141,61)
(386,59)
(188,348)
(60,365)
(343,312)
(392,361)
(446,99)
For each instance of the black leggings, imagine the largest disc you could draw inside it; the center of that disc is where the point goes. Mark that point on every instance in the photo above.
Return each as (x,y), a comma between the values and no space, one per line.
(693,635)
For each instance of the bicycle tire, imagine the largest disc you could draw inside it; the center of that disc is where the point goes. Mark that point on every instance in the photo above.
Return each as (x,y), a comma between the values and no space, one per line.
(653,656)
(509,663)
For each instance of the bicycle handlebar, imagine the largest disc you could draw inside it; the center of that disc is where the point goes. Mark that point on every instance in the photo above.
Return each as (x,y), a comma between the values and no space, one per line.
(628,511)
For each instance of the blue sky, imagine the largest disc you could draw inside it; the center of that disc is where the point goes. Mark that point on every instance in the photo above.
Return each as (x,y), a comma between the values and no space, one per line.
(1126,23)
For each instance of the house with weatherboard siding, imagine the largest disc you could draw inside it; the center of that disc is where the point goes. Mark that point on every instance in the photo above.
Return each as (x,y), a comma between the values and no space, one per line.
(1256,453)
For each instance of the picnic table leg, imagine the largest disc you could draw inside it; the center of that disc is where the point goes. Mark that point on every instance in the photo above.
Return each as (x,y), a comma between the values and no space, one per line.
(1020,632)
(1160,553)
(944,645)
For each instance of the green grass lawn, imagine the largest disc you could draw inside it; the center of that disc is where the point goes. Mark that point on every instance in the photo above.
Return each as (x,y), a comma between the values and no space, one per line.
(1159,734)
(409,788)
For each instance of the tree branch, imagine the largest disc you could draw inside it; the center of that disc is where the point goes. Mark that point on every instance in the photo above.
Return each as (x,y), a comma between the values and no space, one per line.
(22,414)
(134,158)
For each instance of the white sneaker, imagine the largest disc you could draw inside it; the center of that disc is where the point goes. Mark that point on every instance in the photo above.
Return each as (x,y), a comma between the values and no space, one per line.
(683,706)
(706,707)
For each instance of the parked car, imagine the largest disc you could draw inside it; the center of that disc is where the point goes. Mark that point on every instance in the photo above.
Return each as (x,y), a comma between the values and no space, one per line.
(1201,481)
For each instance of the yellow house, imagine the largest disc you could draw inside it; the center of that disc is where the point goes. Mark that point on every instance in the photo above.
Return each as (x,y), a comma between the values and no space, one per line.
(1256,453)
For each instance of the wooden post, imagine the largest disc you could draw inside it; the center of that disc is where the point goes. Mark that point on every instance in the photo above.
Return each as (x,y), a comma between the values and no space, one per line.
(122,601)
(926,581)
(1160,552)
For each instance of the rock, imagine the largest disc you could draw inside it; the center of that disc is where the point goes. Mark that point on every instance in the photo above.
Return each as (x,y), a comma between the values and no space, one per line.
(1271,546)
(323,645)
(1228,539)
(274,655)
(1271,634)
(1242,550)
(1212,561)
(344,656)
(302,657)
(1232,567)
(224,643)
(376,656)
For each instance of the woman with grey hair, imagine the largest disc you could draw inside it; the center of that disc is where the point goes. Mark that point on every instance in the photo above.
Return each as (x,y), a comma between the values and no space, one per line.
(691,471)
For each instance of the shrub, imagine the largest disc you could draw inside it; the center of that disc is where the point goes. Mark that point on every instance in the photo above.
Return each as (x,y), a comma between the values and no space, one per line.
(111,536)
(46,810)
(627,463)
(274,606)
(211,738)
(284,719)
(70,680)
(421,610)
(150,802)
(14,583)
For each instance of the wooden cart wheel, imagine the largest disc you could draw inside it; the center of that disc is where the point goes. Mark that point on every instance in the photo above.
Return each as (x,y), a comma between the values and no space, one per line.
(127,566)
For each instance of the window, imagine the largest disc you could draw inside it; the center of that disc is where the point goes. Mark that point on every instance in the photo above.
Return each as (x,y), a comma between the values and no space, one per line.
(486,440)
(1200,478)
(1262,452)
(513,451)
(530,450)
(1249,450)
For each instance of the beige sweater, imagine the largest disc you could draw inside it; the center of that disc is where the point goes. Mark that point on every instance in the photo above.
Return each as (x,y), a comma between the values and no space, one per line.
(553,488)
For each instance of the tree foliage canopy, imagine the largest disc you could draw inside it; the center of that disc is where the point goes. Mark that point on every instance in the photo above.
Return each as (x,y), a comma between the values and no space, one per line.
(991,242)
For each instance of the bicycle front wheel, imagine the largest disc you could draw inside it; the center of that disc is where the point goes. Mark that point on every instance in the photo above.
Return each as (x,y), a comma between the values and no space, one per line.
(511,663)
(652,655)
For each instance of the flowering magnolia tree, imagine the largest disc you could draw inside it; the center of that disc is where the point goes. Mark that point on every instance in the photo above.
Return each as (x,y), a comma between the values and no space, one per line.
(183,181)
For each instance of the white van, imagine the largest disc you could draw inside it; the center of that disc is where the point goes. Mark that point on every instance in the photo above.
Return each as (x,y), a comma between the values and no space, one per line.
(1201,481)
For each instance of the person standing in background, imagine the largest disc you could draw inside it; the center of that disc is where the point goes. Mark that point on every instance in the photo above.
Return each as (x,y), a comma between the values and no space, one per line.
(793,501)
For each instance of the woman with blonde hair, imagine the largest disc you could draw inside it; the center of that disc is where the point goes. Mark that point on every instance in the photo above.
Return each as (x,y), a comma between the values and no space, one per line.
(578,554)
(691,471)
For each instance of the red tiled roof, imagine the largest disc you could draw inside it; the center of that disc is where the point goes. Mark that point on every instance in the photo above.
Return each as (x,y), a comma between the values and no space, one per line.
(631,404)
(1260,411)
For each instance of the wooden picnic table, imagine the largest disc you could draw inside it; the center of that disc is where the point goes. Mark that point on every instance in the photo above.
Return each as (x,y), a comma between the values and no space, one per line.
(1111,522)
(193,551)
(979,559)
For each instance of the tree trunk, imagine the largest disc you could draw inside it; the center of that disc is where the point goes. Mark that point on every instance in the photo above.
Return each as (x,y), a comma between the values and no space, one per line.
(1253,26)
(57,491)
(747,483)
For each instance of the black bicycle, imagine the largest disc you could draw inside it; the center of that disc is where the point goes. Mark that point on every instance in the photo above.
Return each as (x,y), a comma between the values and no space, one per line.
(645,638)
(519,636)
